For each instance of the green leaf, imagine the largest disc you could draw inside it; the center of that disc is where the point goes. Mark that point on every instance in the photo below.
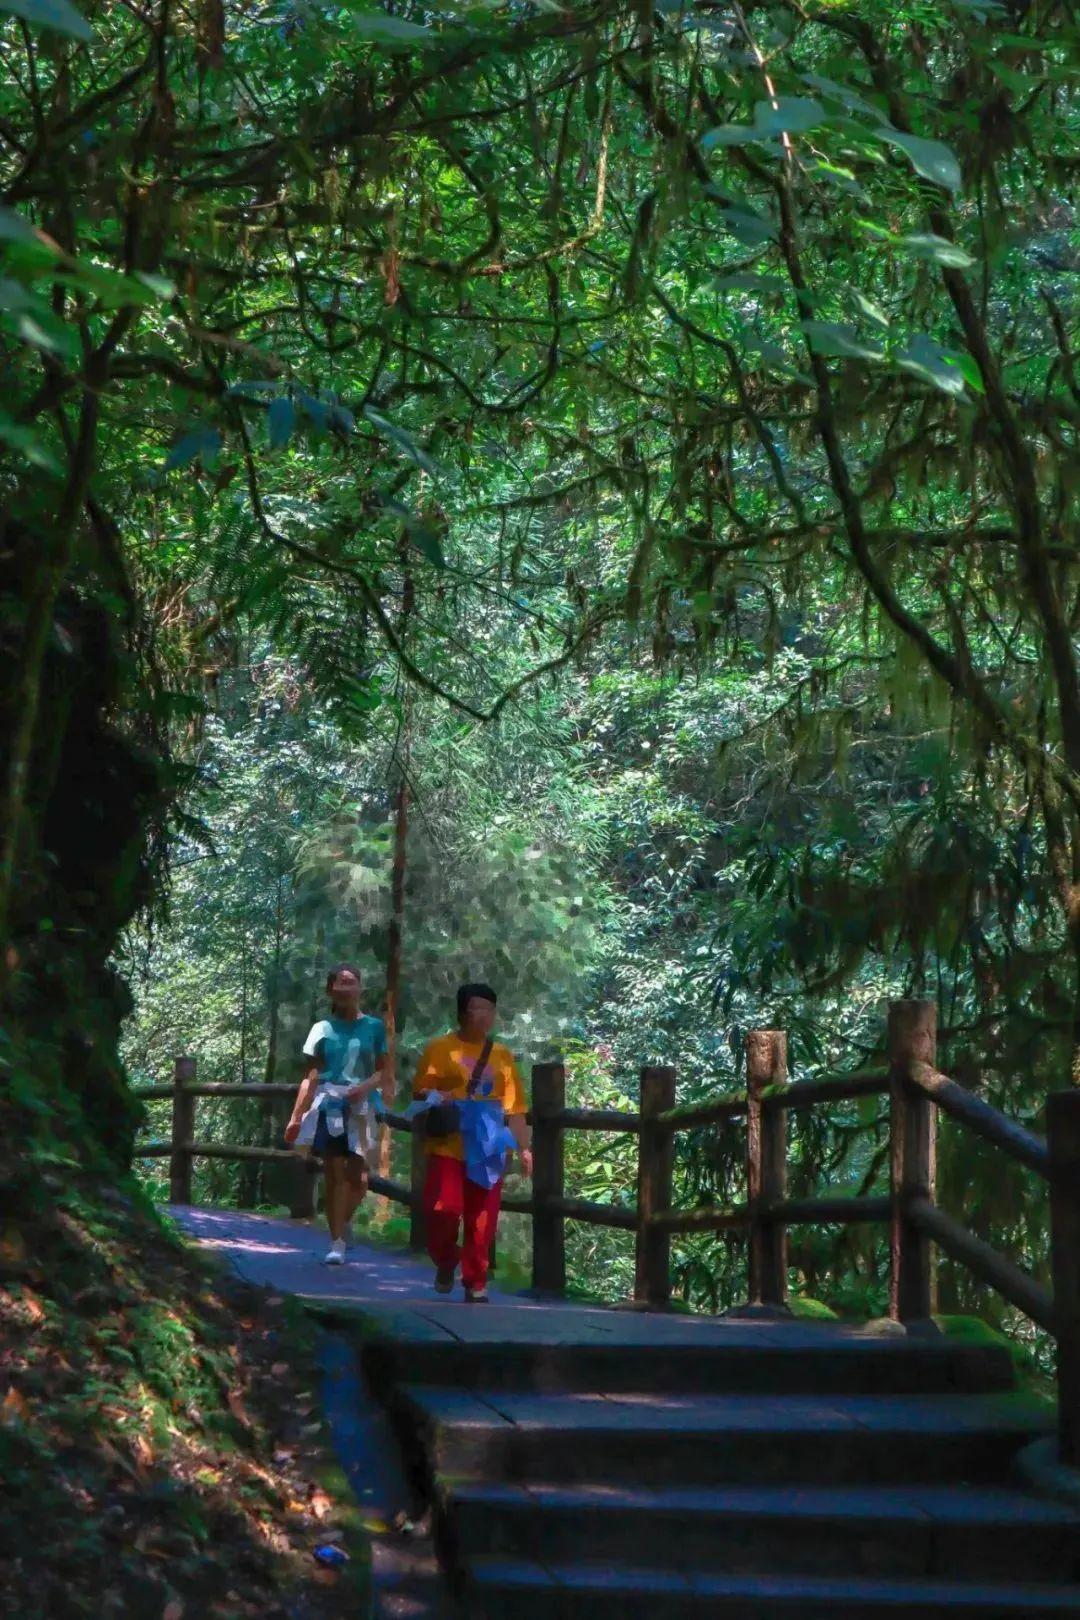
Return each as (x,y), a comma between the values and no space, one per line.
(22,438)
(427,542)
(55,14)
(866,306)
(341,419)
(835,338)
(280,422)
(13,296)
(204,442)
(161,285)
(926,359)
(840,92)
(837,175)
(388,30)
(969,369)
(932,159)
(14,228)
(316,410)
(111,289)
(727,135)
(253,390)
(938,249)
(791,115)
(748,226)
(42,329)
(403,440)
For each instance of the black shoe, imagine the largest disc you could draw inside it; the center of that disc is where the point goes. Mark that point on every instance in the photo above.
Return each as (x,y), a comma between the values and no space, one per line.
(444,1279)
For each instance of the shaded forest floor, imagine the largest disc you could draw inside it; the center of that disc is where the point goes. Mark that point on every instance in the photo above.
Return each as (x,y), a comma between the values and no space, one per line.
(161,1450)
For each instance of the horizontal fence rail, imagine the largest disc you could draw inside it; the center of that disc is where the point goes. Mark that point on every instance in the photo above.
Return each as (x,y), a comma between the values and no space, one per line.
(914,1092)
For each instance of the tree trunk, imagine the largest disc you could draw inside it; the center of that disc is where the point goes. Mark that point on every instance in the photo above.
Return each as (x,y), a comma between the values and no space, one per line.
(397,899)
(247,1179)
(393,959)
(276,1180)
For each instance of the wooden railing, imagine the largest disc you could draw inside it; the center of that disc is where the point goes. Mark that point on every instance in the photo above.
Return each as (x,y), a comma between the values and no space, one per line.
(915,1091)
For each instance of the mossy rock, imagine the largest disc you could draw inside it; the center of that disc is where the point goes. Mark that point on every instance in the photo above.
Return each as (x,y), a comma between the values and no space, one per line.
(812,1310)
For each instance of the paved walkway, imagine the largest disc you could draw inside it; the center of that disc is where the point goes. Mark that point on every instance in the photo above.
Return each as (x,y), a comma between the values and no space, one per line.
(288,1256)
(395,1291)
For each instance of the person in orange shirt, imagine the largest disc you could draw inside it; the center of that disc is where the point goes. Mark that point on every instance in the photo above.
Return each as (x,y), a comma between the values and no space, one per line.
(448,1066)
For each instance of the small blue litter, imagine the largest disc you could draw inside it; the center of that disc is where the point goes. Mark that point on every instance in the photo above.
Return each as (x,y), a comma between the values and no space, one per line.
(334,1556)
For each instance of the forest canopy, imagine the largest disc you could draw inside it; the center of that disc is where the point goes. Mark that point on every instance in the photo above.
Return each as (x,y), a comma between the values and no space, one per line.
(637,444)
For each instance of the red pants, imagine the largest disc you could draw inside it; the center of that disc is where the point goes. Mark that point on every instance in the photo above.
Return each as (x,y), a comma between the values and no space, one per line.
(448,1197)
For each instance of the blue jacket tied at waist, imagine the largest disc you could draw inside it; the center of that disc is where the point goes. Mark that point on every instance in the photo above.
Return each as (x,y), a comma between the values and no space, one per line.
(485,1135)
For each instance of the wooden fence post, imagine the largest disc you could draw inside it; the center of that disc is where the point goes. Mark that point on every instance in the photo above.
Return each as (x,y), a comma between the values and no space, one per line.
(1063,1141)
(417,1176)
(303,1200)
(183,1131)
(549,1238)
(766,1166)
(656,1154)
(912,1159)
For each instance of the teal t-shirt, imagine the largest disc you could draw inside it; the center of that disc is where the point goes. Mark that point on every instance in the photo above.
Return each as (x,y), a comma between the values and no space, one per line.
(346,1050)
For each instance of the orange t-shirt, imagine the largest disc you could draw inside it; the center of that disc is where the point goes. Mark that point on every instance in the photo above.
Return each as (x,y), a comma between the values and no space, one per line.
(448,1064)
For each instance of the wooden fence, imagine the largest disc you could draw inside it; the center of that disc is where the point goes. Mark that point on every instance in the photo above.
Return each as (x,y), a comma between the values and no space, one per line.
(915,1092)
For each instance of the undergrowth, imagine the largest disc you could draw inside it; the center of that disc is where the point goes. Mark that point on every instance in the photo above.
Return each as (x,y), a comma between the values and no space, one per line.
(161,1454)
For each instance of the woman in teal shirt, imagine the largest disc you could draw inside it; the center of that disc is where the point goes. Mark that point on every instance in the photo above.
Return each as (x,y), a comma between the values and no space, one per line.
(333,1114)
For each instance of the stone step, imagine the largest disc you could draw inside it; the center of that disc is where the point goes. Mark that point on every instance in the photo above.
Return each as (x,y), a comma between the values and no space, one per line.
(506,1348)
(962,1532)
(517,1589)
(717,1439)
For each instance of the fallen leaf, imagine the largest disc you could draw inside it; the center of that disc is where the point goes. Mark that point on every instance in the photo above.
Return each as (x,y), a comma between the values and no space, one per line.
(321,1504)
(280,1368)
(325,1577)
(144,1451)
(32,1307)
(14,1408)
(237,1408)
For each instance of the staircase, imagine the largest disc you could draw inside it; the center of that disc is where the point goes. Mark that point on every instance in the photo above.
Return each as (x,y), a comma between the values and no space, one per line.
(670,1467)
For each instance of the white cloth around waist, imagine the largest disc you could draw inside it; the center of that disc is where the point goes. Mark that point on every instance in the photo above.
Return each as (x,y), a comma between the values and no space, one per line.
(356,1126)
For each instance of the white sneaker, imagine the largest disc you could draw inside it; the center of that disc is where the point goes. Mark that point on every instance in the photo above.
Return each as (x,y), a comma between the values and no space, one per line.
(335,1255)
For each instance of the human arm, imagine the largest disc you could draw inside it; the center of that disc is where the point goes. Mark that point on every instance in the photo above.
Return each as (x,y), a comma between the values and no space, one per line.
(304,1098)
(518,1126)
(516,1115)
(428,1076)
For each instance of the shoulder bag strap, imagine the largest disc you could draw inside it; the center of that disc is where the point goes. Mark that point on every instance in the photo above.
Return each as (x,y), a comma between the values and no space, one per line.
(478,1066)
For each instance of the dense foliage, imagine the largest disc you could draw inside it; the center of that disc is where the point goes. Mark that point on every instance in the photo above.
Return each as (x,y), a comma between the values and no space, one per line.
(649,435)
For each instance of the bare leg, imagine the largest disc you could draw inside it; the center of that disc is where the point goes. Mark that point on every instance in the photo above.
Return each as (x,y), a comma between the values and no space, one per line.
(356,1185)
(336,1194)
